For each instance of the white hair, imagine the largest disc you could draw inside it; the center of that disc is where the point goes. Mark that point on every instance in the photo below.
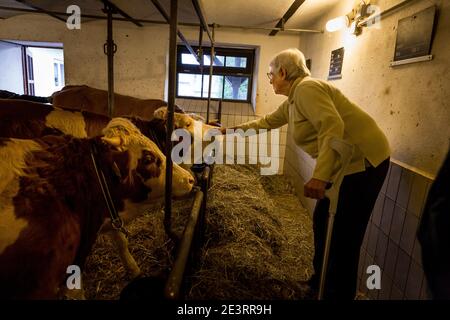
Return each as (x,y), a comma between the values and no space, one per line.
(293,61)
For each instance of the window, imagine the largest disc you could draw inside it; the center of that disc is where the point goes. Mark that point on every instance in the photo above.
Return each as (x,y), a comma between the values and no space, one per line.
(232,74)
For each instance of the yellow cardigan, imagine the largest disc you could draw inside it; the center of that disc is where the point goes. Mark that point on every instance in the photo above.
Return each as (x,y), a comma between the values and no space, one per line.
(316,111)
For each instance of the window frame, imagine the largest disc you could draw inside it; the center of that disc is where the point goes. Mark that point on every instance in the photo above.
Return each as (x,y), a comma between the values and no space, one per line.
(224,71)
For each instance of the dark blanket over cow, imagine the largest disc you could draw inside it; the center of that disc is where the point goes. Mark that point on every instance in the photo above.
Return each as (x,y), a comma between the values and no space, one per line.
(95,100)
(4,94)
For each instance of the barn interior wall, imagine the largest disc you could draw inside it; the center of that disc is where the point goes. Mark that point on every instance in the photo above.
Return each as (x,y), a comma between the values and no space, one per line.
(411,105)
(140,60)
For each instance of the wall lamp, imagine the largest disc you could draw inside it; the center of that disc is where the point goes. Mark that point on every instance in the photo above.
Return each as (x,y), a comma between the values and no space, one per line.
(351,19)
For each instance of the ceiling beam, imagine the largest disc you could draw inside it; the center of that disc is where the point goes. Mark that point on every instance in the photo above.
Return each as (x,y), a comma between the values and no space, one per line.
(122,13)
(292,9)
(145,21)
(199,10)
(166,17)
(40,10)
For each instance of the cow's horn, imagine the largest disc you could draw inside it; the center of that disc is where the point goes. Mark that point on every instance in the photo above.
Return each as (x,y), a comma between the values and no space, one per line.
(114,141)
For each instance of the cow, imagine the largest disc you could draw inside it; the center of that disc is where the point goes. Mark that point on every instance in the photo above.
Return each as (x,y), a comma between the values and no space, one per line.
(185,120)
(197,128)
(23,119)
(95,100)
(51,205)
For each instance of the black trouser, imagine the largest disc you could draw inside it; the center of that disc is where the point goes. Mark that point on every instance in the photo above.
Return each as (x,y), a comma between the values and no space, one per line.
(357,197)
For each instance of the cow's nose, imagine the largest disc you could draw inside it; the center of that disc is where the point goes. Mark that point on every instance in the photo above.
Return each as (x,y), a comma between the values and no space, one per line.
(191,180)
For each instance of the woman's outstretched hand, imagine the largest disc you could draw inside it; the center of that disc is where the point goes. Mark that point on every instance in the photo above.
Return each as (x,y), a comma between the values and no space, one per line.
(315,189)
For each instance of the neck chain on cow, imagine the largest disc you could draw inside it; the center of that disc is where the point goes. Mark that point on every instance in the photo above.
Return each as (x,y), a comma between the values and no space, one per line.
(116,221)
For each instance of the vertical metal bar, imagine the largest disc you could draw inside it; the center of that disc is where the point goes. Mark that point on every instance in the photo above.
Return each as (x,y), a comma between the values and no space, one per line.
(110,49)
(212,55)
(219,115)
(173,286)
(170,109)
(200,56)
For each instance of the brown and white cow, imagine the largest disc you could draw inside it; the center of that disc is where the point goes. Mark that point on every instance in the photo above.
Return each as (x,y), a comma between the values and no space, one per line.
(96,100)
(50,207)
(197,128)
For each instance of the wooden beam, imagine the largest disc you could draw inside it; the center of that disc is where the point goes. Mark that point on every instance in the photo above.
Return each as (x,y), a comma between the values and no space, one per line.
(292,9)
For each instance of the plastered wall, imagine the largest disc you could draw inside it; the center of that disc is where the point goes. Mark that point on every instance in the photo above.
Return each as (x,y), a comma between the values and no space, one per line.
(410,102)
(140,61)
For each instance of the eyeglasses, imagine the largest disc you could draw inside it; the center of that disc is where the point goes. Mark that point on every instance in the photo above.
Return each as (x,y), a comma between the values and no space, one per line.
(270,75)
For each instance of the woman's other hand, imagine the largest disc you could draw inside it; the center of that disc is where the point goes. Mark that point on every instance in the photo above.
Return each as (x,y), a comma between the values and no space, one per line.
(315,189)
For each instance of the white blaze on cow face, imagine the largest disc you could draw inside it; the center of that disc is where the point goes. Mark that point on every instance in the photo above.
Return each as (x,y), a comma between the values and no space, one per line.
(184,121)
(68,122)
(146,159)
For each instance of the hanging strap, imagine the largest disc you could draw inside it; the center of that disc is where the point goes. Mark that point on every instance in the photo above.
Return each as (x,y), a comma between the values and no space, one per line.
(116,221)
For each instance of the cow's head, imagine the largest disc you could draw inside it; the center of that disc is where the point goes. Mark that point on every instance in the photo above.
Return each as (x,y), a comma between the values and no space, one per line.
(145,161)
(184,120)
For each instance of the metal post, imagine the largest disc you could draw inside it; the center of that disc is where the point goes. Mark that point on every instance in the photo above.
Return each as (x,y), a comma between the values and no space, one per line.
(170,109)
(212,55)
(200,55)
(219,113)
(174,283)
(110,49)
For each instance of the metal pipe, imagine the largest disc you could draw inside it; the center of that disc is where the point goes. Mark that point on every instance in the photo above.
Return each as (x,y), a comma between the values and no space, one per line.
(110,48)
(93,16)
(200,55)
(122,13)
(170,110)
(292,9)
(384,13)
(267,28)
(163,12)
(211,62)
(219,113)
(199,10)
(173,285)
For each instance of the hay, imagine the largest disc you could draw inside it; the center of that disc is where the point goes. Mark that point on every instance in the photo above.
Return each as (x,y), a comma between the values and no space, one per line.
(105,276)
(260,239)
(258,242)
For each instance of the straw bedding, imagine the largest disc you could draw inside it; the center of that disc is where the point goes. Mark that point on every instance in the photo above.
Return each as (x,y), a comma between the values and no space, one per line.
(258,242)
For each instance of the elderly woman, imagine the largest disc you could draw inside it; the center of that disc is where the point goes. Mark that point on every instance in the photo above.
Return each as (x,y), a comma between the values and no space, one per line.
(316,111)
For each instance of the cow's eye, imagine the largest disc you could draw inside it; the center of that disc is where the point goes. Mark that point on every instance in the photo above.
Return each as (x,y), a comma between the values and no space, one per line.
(188,124)
(147,160)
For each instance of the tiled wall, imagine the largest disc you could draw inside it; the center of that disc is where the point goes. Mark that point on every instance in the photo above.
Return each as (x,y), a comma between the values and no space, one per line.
(232,114)
(390,240)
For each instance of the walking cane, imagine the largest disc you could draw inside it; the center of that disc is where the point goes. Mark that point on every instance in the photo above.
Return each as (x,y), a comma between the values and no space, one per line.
(345,151)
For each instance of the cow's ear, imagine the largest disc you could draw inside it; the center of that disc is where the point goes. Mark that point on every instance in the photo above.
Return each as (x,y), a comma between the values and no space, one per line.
(161,113)
(115,142)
